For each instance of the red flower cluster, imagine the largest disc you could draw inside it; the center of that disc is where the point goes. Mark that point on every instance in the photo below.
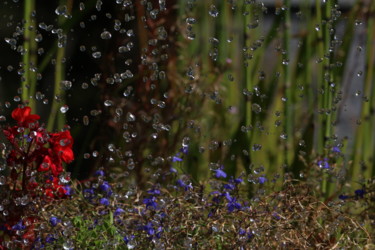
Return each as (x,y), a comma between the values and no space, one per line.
(35,170)
(36,159)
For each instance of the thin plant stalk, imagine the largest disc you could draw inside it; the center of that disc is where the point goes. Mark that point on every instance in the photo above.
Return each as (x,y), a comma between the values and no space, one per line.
(324,98)
(288,107)
(56,119)
(28,84)
(248,80)
(369,145)
(364,144)
(319,72)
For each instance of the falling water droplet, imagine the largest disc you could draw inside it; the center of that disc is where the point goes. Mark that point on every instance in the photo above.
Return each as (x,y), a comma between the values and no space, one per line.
(105,35)
(256,108)
(97,54)
(66,84)
(130,117)
(64,109)
(108,103)
(191,20)
(213,11)
(61,10)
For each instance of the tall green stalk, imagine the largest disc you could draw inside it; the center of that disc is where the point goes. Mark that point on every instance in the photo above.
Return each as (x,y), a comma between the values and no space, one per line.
(325,98)
(57,119)
(364,143)
(319,81)
(288,107)
(248,70)
(28,83)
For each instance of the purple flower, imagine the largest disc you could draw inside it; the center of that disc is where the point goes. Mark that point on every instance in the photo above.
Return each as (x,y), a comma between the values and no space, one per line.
(182,184)
(220,173)
(324,164)
(336,149)
(99,173)
(343,197)
(276,216)
(184,149)
(118,211)
(173,170)
(238,180)
(54,220)
(176,159)
(105,186)
(359,193)
(19,226)
(262,180)
(68,190)
(154,191)
(150,202)
(149,229)
(232,203)
(50,238)
(229,186)
(89,191)
(242,231)
(127,239)
(104,201)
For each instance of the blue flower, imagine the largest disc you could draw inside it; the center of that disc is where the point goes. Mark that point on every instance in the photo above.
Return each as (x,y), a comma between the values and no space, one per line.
(324,164)
(54,220)
(37,244)
(154,191)
(262,180)
(336,149)
(242,231)
(105,186)
(19,226)
(232,204)
(238,180)
(104,201)
(182,184)
(127,239)
(68,190)
(50,238)
(89,191)
(150,202)
(99,173)
(118,211)
(359,193)
(343,197)
(229,186)
(149,229)
(158,232)
(173,170)
(184,149)
(176,159)
(276,216)
(220,173)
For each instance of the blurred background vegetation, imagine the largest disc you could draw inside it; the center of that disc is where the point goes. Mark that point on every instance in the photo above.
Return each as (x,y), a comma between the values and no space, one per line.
(273,88)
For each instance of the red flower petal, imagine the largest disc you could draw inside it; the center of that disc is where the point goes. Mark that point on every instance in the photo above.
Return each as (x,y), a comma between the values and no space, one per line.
(23,116)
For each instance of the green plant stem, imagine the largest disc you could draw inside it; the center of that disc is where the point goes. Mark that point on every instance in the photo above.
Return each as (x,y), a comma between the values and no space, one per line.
(364,144)
(247,71)
(320,74)
(288,107)
(28,84)
(325,102)
(57,119)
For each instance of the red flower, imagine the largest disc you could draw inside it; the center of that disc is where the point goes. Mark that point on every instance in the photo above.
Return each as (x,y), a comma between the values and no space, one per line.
(23,116)
(51,164)
(62,143)
(49,193)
